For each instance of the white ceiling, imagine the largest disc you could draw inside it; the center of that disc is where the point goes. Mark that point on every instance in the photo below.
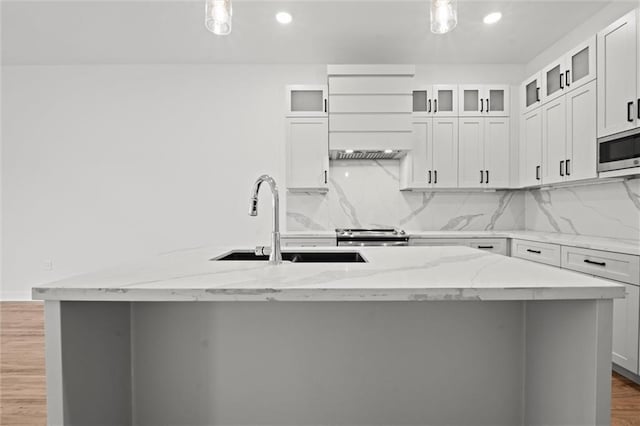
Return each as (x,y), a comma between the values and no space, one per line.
(141,32)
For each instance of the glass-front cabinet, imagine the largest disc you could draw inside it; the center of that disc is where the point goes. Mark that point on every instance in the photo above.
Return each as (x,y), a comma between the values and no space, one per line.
(304,100)
(569,72)
(438,100)
(476,100)
(530,93)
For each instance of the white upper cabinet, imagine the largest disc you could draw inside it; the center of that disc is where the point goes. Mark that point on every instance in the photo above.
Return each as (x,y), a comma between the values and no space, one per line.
(477,100)
(531,148)
(530,93)
(445,153)
(569,72)
(416,166)
(618,76)
(307,154)
(554,132)
(484,152)
(581,142)
(438,100)
(306,101)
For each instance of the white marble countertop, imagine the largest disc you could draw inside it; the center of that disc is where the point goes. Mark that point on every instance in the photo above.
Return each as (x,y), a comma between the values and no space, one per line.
(617,245)
(396,274)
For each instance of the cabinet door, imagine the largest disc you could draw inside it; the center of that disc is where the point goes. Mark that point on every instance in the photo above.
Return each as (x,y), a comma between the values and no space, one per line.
(416,166)
(307,154)
(581,65)
(497,156)
(307,100)
(445,100)
(471,153)
(554,133)
(531,148)
(422,101)
(471,100)
(445,152)
(617,78)
(553,80)
(625,329)
(530,93)
(497,100)
(581,142)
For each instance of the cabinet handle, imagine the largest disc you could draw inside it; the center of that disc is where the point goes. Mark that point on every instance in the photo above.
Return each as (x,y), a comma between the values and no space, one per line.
(567,73)
(537,172)
(534,251)
(638,109)
(562,168)
(562,80)
(429,110)
(592,262)
(485,247)
(429,176)
(435,106)
(435,176)
(487,104)
(537,94)
(566,168)
(487,175)
(481,177)
(325,177)
(481,105)
(325,107)
(629,118)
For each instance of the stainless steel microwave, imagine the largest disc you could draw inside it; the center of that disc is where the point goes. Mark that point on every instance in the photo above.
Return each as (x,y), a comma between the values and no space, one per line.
(619,151)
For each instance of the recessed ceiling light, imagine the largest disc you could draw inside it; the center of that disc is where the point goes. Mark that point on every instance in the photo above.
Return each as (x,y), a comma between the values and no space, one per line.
(284,17)
(492,18)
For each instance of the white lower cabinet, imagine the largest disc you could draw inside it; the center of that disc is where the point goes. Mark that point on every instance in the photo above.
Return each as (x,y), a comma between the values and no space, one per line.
(493,245)
(307,154)
(626,321)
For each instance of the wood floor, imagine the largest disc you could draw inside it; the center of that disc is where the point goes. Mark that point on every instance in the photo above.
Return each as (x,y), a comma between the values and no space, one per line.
(22,383)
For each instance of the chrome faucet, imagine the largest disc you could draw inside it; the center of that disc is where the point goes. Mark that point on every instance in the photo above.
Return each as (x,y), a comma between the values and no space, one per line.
(275,256)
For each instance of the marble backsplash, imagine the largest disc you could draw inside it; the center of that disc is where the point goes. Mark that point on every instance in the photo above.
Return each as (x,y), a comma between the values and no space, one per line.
(365,194)
(609,209)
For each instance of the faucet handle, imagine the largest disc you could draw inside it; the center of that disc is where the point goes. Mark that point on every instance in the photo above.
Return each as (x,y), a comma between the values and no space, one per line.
(262,251)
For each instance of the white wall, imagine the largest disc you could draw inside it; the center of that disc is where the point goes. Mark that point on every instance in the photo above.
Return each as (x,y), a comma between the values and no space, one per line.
(104,164)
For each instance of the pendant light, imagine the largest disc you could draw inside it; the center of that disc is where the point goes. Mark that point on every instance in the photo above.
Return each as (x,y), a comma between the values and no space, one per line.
(218,16)
(444,15)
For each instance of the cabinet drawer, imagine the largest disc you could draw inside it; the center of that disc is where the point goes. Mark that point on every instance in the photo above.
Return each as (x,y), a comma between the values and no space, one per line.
(498,246)
(536,252)
(437,241)
(614,266)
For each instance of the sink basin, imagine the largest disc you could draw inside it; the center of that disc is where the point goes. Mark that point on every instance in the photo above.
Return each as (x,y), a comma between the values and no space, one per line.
(298,257)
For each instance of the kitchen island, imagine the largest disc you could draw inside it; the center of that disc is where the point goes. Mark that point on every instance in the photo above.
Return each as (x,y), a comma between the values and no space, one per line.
(412,336)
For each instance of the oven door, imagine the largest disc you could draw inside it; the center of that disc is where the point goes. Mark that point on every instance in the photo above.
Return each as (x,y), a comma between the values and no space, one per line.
(620,151)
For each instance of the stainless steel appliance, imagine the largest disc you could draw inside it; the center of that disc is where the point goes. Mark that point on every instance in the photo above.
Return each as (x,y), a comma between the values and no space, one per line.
(371,237)
(619,151)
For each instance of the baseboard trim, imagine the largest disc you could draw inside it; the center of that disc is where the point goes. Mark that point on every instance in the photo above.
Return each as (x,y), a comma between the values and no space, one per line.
(626,373)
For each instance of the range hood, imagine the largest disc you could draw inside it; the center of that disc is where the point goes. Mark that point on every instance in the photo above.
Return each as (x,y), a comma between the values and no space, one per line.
(370,108)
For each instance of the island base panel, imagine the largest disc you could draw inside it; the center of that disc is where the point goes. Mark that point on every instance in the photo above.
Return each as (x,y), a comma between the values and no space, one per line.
(309,363)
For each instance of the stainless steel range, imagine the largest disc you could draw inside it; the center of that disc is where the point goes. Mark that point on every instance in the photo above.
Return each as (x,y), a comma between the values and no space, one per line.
(371,237)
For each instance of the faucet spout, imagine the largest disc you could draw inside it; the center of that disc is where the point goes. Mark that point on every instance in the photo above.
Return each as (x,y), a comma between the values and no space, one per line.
(275,256)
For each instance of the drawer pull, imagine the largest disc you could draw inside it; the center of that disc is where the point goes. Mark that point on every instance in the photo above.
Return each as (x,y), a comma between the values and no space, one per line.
(593,262)
(485,247)
(534,251)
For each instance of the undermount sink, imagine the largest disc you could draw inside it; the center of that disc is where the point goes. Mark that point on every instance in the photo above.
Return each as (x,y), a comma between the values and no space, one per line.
(297,257)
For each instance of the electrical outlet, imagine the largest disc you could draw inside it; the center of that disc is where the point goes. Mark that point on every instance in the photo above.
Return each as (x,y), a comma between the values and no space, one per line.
(47,265)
